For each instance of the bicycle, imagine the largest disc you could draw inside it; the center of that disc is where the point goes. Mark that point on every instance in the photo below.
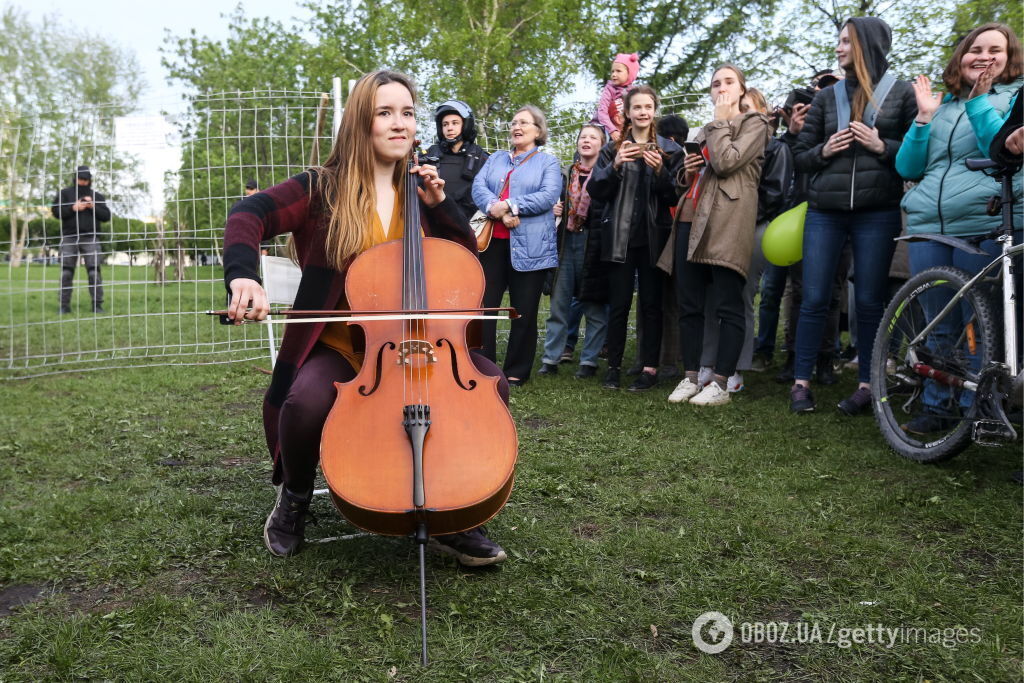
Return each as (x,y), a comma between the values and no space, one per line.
(941,333)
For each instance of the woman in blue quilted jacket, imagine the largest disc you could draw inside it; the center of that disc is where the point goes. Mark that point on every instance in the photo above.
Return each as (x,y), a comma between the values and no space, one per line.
(518,189)
(981,79)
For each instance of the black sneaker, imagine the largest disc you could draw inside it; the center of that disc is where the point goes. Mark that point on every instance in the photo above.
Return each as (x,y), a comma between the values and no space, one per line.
(286,525)
(801,400)
(586,371)
(566,356)
(547,369)
(471,548)
(65,310)
(929,422)
(645,381)
(612,379)
(826,373)
(786,375)
(856,403)
(635,369)
(669,372)
(98,308)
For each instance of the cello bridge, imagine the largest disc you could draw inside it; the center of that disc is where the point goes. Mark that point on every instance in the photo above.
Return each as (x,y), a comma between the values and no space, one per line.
(413,347)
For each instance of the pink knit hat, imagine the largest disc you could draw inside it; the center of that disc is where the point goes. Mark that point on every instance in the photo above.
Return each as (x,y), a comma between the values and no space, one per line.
(632,64)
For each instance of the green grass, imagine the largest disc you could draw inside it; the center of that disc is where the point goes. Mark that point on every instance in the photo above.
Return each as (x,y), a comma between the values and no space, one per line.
(133,505)
(144,323)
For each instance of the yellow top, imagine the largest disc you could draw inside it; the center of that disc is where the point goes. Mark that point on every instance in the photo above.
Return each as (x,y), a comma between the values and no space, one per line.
(349,341)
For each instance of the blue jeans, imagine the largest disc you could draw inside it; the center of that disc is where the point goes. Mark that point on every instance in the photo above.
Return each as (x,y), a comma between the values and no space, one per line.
(570,270)
(928,254)
(575,318)
(871,235)
(773,285)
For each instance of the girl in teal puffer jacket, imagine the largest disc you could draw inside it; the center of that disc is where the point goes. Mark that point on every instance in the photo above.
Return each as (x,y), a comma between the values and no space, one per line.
(981,78)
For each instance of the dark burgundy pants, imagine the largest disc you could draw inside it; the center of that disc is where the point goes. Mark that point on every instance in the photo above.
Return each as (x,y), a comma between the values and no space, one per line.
(311,398)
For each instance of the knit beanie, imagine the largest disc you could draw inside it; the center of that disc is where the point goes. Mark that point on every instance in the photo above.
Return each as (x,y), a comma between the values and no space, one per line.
(632,64)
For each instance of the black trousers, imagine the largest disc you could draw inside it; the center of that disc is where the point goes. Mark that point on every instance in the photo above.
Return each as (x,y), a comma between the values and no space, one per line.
(693,282)
(621,277)
(524,290)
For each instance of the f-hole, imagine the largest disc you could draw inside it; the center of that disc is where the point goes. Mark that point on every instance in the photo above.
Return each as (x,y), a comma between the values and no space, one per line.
(455,365)
(377,372)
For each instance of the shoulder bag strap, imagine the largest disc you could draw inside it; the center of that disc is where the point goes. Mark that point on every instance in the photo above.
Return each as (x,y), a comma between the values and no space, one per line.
(842,105)
(881,92)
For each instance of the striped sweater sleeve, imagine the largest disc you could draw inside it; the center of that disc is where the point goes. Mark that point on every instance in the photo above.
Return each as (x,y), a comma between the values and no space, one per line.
(275,211)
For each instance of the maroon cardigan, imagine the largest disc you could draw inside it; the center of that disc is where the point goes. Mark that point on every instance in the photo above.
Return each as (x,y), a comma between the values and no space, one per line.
(297,207)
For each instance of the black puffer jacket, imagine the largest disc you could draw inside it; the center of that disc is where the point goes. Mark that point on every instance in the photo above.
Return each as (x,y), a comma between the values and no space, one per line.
(857,179)
(1014,120)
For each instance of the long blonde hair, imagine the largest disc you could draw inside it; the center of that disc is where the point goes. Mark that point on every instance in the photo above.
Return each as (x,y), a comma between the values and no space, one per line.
(346,178)
(866,92)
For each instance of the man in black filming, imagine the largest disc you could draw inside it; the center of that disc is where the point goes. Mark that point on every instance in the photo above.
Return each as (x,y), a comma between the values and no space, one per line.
(80,210)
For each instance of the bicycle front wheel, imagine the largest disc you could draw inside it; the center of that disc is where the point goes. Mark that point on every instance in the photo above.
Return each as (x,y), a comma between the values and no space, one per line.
(921,403)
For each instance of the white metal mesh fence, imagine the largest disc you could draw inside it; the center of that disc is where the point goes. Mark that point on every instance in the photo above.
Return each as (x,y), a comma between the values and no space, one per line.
(160,254)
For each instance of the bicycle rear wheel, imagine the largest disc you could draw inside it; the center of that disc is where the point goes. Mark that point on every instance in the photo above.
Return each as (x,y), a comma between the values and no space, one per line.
(927,418)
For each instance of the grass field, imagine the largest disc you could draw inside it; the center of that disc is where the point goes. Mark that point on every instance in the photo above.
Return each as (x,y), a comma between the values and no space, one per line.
(131,549)
(144,322)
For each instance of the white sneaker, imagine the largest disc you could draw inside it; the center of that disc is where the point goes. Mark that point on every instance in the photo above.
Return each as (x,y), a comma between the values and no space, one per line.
(852,364)
(704,376)
(734,383)
(683,392)
(711,395)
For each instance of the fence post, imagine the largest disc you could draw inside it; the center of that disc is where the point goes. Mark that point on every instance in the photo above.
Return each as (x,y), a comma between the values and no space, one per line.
(336,89)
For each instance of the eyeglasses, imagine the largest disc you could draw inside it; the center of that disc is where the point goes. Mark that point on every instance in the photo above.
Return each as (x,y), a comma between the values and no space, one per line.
(519,123)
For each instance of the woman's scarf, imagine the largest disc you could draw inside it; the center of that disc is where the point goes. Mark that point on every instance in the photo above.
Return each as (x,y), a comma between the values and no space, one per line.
(579,198)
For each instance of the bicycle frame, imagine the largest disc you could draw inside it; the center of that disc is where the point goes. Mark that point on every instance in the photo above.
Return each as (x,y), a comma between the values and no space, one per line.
(1009,305)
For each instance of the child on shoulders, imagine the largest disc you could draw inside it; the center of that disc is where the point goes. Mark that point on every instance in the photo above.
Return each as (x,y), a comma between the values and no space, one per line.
(609,108)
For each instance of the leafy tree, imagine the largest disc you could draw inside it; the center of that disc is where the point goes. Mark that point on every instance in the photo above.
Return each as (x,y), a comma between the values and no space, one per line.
(46,69)
(967,15)
(678,42)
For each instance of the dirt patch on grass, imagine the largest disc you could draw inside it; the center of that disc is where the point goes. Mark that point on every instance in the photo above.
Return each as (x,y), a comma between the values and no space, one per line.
(262,596)
(95,600)
(239,462)
(13,597)
(536,423)
(587,530)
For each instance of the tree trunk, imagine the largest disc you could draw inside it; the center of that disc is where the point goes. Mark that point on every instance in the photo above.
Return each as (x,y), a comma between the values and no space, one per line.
(19,235)
(179,257)
(160,254)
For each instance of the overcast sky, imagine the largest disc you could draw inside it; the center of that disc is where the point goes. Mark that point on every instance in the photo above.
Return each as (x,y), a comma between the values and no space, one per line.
(139,24)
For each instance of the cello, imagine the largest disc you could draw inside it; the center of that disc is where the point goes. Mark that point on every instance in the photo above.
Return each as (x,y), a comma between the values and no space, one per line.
(419,443)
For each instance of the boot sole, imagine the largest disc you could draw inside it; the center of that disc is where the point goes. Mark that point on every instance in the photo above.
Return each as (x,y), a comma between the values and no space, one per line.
(266,526)
(464,559)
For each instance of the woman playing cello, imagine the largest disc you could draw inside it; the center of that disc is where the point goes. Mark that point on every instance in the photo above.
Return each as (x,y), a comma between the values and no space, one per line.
(336,212)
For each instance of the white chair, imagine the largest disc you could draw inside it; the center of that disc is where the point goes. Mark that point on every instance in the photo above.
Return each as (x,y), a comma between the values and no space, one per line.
(281,281)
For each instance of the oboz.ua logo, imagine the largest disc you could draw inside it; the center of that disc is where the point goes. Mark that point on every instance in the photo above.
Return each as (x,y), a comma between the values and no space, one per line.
(712,632)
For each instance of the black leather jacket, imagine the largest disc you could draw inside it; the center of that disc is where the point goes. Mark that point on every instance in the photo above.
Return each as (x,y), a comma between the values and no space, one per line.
(638,194)
(775,192)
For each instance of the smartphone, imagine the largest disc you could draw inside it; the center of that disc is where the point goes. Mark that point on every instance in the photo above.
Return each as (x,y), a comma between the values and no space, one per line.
(651,147)
(691,147)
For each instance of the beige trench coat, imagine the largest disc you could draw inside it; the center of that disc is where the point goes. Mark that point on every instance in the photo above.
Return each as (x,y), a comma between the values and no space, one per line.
(722,232)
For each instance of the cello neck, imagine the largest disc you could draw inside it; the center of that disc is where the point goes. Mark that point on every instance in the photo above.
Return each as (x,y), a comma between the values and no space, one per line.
(413,280)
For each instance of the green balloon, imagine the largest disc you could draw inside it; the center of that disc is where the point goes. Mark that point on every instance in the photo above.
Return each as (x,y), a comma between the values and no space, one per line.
(783,240)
